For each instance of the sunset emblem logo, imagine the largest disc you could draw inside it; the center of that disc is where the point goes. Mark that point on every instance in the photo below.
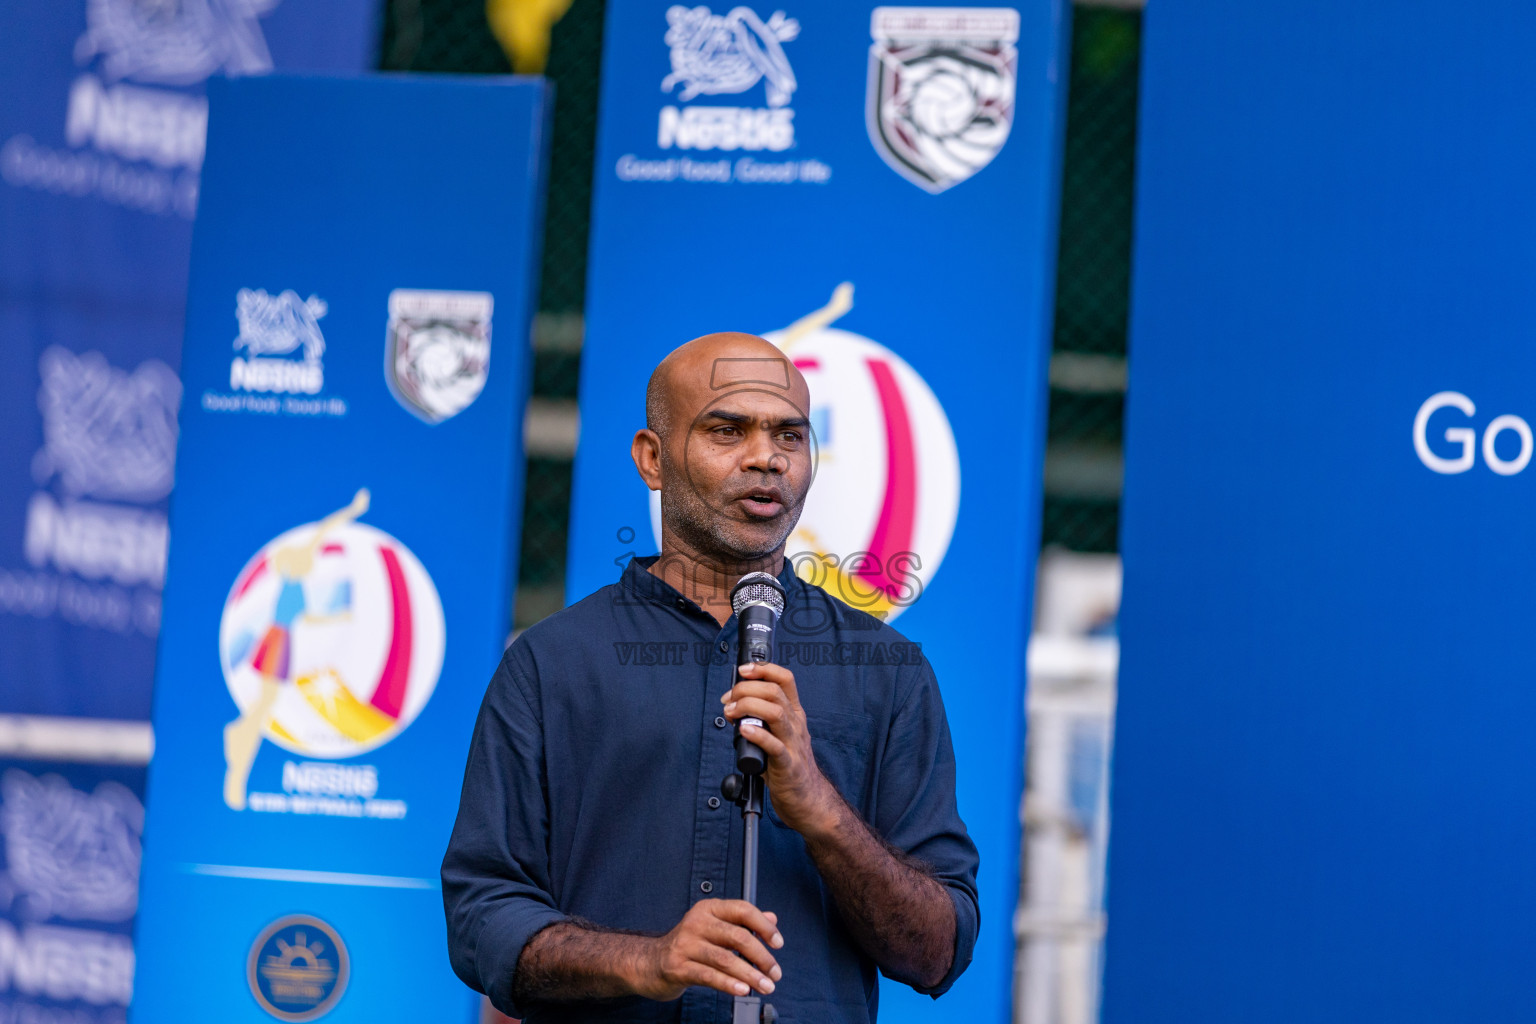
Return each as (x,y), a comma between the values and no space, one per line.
(298,968)
(332,640)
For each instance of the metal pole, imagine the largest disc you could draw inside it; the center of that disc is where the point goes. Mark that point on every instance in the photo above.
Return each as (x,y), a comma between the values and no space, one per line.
(751,812)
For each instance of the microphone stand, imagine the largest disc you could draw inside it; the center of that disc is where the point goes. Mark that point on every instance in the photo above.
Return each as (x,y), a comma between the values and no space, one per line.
(757,599)
(747,791)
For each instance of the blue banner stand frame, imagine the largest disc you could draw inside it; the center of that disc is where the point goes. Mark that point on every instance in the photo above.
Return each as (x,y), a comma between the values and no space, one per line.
(345,524)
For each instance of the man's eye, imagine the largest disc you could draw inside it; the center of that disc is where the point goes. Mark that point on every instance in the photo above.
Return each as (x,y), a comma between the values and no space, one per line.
(791,436)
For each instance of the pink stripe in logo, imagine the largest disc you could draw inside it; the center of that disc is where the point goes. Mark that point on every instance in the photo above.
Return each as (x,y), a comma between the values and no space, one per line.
(389,696)
(898,511)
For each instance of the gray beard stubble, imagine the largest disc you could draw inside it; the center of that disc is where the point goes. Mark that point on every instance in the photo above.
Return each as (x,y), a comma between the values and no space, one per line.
(687,513)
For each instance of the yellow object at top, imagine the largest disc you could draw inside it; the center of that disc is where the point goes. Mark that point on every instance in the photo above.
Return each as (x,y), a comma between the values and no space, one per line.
(523,28)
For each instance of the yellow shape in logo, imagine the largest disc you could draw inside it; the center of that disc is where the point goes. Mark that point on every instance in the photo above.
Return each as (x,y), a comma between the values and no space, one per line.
(327,693)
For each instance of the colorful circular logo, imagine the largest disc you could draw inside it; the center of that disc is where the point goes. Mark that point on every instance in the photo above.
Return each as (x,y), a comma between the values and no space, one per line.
(332,639)
(879,517)
(298,968)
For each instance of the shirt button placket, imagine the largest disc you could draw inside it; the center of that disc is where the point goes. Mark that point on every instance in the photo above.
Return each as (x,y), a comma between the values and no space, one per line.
(712,839)
(717,759)
(713,830)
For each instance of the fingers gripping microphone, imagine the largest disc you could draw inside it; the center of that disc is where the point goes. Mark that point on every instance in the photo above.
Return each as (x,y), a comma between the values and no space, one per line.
(758,601)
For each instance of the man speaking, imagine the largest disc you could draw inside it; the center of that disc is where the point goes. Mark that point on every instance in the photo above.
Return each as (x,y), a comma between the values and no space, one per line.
(587,875)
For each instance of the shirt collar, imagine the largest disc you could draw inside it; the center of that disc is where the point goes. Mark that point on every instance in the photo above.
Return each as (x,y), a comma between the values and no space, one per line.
(640,581)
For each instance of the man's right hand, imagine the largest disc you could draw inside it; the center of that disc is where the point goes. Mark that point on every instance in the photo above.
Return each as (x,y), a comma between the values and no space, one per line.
(703,950)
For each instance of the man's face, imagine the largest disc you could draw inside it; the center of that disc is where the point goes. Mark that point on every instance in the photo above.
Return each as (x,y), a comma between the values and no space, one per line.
(736,467)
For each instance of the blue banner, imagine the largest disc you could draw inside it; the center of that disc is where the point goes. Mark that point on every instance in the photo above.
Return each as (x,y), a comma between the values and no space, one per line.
(101,148)
(71,837)
(1322,778)
(874,190)
(339,591)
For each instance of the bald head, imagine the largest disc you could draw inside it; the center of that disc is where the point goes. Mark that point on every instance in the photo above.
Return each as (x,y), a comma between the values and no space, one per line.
(683,382)
(728,445)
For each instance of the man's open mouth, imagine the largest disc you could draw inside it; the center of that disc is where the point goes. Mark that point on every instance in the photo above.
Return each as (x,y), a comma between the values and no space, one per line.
(763,502)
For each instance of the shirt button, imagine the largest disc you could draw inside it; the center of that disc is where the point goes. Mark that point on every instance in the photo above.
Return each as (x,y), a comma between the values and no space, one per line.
(719,722)
(714,802)
(724,646)
(682,604)
(706,886)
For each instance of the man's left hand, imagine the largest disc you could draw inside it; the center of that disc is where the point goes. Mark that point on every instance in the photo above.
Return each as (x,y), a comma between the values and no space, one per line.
(802,796)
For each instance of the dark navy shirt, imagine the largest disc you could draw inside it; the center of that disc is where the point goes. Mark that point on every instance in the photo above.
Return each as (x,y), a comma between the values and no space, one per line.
(593,790)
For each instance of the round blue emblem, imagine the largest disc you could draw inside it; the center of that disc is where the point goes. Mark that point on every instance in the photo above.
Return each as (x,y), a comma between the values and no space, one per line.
(298,968)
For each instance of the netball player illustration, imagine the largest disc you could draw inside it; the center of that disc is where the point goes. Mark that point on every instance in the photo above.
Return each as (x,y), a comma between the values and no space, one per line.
(272,656)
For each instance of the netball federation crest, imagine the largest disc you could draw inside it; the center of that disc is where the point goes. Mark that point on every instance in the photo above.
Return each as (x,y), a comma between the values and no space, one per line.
(941,89)
(437,350)
(331,640)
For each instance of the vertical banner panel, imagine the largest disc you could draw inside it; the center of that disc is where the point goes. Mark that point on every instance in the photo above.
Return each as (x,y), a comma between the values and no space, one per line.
(101,151)
(874,190)
(1322,782)
(70,842)
(339,589)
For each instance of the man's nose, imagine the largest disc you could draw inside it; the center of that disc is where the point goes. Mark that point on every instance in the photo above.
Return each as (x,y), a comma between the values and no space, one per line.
(762,456)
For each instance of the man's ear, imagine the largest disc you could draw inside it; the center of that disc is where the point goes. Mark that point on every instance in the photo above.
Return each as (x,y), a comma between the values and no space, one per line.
(645,449)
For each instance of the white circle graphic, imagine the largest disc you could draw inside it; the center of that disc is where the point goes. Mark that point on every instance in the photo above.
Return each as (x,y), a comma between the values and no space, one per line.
(881,512)
(349,631)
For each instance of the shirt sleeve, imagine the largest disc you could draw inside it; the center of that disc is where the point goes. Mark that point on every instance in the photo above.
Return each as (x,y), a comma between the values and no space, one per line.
(496,890)
(915,809)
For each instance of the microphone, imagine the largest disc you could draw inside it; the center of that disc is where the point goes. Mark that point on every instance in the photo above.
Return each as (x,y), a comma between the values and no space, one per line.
(758,601)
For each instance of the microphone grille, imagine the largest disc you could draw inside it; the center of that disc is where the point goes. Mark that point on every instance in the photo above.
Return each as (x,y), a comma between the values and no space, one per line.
(758,588)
